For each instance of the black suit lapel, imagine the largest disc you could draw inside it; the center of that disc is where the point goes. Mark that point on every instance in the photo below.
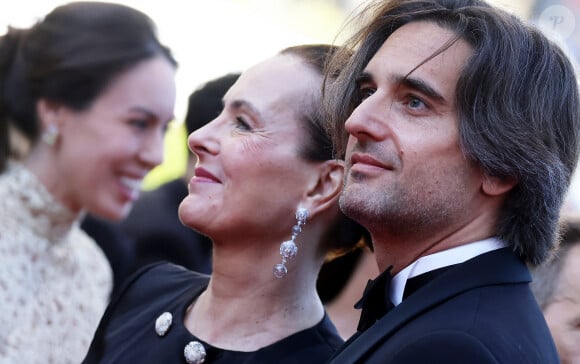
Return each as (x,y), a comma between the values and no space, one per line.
(499,266)
(415,283)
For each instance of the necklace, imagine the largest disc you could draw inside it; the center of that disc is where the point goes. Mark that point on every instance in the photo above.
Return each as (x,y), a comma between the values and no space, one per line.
(194,351)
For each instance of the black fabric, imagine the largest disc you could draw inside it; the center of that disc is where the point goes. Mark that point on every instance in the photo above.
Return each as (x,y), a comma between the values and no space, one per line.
(126,333)
(159,234)
(413,284)
(335,274)
(375,302)
(116,245)
(152,232)
(479,311)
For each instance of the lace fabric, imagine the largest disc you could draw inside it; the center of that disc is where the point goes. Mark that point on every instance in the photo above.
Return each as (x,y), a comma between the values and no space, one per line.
(54,280)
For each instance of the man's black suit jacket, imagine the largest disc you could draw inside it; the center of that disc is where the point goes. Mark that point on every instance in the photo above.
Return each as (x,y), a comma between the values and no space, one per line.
(480,311)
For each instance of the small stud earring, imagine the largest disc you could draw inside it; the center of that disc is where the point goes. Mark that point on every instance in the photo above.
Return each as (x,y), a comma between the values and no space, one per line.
(288,249)
(50,134)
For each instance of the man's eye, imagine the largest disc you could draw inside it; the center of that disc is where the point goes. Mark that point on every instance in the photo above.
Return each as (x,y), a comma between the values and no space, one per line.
(416,103)
(364,93)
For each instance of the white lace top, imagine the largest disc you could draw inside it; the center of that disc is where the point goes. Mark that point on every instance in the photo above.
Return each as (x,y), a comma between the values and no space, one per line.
(54,280)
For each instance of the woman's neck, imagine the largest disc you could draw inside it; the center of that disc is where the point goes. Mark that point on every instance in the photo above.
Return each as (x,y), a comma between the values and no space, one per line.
(246,308)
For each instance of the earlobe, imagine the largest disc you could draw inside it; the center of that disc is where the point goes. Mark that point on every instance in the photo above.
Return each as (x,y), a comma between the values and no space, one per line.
(50,118)
(495,186)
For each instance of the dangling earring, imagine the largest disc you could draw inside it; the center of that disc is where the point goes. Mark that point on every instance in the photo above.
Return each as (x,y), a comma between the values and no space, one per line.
(288,249)
(50,134)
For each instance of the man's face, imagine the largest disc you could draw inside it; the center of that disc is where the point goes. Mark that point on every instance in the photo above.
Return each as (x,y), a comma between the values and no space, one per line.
(406,173)
(563,313)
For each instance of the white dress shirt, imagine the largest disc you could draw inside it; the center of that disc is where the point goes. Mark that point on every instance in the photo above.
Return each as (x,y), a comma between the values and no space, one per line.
(438,260)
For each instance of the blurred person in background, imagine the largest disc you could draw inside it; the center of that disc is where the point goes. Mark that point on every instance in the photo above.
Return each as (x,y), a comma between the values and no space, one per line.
(340,283)
(152,230)
(265,191)
(556,286)
(91,89)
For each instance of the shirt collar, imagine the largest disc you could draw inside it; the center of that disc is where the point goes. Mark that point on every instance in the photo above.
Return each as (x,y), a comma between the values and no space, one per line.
(438,260)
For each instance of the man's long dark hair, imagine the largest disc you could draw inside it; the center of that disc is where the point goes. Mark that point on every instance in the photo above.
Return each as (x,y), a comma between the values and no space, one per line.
(518,107)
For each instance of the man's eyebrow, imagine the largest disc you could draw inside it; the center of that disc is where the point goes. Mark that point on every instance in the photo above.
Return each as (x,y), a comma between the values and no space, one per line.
(421,86)
(363,77)
(407,81)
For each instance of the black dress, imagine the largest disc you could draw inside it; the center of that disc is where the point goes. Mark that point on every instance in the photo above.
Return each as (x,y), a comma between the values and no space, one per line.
(127,334)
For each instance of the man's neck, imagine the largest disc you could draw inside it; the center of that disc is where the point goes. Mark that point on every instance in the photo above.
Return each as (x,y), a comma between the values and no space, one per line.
(402,254)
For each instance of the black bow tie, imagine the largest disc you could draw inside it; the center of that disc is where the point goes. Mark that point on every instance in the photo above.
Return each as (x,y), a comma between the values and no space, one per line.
(375,302)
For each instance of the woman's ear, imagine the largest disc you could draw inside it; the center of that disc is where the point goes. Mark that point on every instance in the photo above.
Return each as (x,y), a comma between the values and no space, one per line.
(495,186)
(49,113)
(327,188)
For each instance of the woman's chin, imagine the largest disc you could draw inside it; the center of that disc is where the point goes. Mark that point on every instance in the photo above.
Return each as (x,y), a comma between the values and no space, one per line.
(112,213)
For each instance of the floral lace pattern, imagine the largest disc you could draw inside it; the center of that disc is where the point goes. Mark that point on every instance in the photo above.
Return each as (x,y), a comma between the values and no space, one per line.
(54,280)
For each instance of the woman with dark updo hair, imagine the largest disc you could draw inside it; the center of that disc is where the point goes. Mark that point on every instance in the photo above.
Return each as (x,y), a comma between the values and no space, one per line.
(91,89)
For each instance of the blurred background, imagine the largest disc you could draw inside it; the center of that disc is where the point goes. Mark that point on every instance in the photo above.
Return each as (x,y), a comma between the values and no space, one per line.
(213,37)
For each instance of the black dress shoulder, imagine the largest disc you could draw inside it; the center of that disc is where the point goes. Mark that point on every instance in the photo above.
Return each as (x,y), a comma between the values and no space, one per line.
(127,334)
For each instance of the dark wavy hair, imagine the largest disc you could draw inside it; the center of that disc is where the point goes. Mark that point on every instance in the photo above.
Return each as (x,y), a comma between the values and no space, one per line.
(517,100)
(346,234)
(69,57)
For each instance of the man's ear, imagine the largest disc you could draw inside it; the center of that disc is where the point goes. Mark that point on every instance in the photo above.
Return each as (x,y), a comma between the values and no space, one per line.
(327,188)
(495,186)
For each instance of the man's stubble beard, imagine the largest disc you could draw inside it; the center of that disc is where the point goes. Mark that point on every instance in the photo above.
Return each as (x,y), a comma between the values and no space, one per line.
(396,211)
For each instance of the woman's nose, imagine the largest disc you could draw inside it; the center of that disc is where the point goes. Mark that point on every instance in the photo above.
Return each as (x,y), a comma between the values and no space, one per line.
(204,139)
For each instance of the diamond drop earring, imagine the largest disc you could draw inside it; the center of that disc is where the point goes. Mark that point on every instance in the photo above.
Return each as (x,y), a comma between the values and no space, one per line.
(288,249)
